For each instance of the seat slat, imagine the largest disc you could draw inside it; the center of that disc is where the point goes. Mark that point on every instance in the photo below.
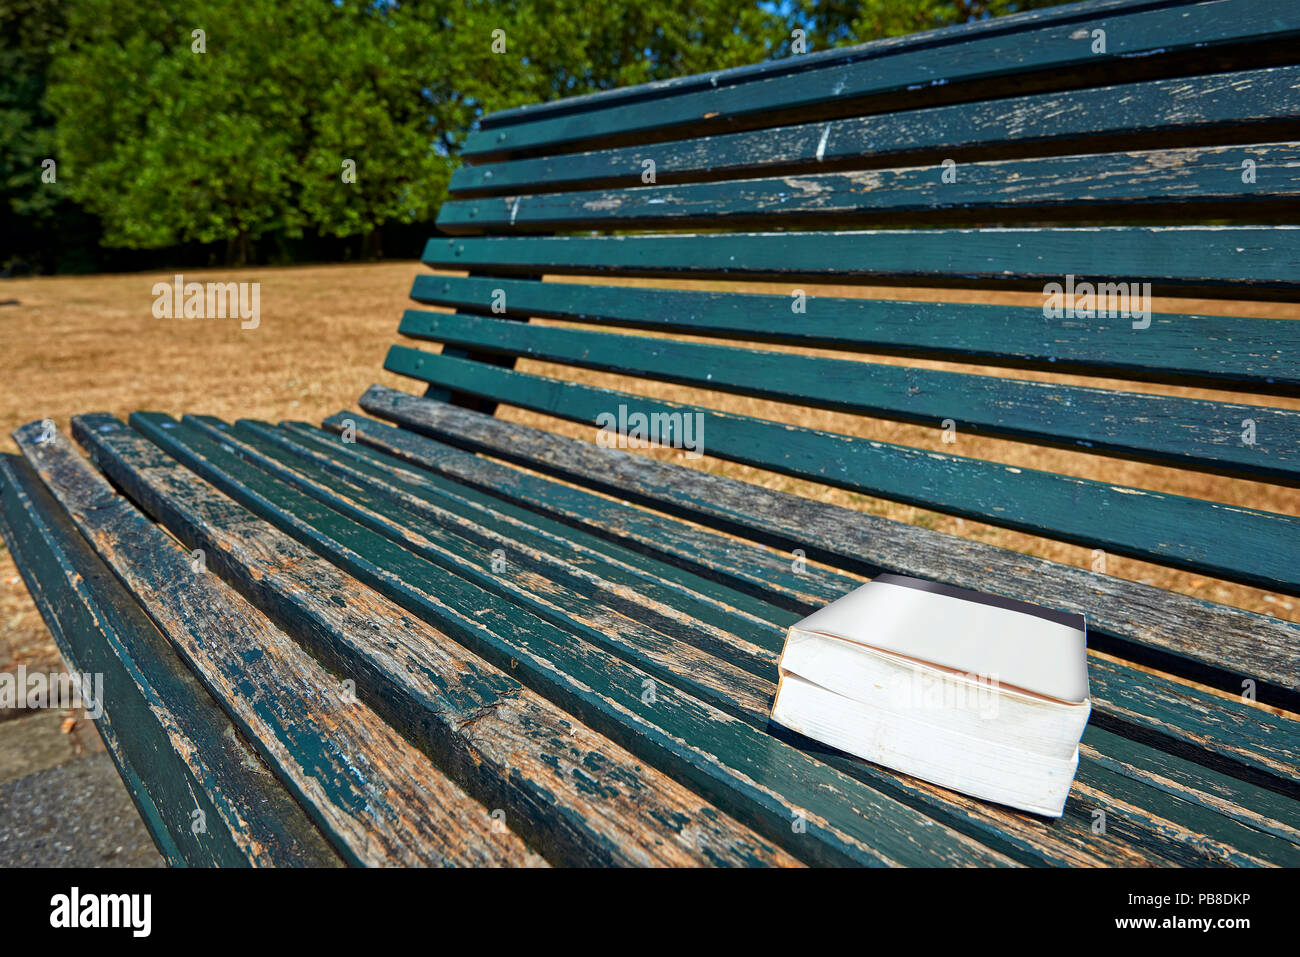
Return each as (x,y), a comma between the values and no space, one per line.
(175,749)
(1239,544)
(1043,55)
(1251,106)
(1244,354)
(748,573)
(1191,432)
(378,799)
(1243,260)
(664,595)
(727,688)
(396,502)
(1122,614)
(745,772)
(399,516)
(577,796)
(1186,185)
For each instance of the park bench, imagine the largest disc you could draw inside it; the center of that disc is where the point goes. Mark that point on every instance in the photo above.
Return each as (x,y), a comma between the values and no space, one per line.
(425,633)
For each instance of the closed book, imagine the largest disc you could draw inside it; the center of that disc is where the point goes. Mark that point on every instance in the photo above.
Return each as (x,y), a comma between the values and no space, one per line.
(980,694)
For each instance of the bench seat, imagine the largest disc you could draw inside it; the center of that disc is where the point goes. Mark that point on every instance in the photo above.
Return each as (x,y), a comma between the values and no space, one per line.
(648,639)
(424,633)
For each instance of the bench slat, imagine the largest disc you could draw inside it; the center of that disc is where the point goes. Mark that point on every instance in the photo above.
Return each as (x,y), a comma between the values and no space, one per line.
(1257,743)
(375,796)
(1185,185)
(1251,106)
(1245,354)
(748,574)
(1123,614)
(744,772)
(175,749)
(834,56)
(1045,55)
(1232,542)
(572,559)
(1174,431)
(577,796)
(401,518)
(1243,260)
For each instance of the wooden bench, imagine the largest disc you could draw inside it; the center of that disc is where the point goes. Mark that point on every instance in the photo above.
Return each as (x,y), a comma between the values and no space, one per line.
(431,634)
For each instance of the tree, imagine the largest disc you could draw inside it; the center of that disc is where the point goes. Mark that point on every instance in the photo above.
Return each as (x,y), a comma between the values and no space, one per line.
(33,197)
(839,22)
(182,123)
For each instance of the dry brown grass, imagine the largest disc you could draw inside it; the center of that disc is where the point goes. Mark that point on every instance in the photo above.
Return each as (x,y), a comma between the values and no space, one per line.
(78,344)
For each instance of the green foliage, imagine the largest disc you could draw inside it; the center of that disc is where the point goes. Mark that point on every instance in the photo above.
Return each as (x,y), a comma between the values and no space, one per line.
(29,206)
(250,136)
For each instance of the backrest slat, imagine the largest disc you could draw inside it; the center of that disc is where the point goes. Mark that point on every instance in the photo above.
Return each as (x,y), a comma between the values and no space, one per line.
(1243,545)
(1248,106)
(1250,355)
(1133,425)
(1162,40)
(1242,261)
(1179,185)
(1105,156)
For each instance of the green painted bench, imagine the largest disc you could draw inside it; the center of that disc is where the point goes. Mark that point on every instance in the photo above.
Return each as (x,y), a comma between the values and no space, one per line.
(424,633)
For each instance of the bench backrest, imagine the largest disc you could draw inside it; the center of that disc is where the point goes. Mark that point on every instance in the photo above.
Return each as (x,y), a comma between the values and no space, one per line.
(1115,143)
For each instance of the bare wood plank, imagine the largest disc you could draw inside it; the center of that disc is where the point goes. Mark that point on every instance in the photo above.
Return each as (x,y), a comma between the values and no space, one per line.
(176,750)
(1251,742)
(463,545)
(378,798)
(576,796)
(743,771)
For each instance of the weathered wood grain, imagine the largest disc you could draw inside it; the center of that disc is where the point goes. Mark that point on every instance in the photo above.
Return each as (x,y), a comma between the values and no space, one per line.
(750,573)
(1168,430)
(1182,185)
(580,540)
(1256,806)
(1239,544)
(1251,742)
(578,797)
(1166,826)
(557,579)
(176,750)
(1251,106)
(1243,354)
(762,781)
(1129,613)
(376,797)
(1049,54)
(1241,261)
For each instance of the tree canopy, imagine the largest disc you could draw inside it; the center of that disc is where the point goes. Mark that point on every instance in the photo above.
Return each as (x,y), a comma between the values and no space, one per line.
(248,127)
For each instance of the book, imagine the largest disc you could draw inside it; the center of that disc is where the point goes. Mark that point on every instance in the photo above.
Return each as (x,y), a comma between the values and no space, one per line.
(977,693)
